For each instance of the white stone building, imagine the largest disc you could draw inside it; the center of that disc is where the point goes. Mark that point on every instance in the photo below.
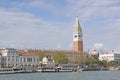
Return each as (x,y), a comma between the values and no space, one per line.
(28,60)
(113,56)
(11,58)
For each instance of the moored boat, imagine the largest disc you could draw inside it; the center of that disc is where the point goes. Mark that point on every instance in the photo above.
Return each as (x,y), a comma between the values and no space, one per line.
(19,70)
(6,71)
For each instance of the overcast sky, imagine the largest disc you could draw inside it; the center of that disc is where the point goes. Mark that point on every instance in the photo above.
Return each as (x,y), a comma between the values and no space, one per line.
(48,24)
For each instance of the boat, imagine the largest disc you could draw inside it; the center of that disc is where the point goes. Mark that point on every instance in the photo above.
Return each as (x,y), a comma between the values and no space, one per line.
(19,70)
(6,71)
(114,68)
(11,70)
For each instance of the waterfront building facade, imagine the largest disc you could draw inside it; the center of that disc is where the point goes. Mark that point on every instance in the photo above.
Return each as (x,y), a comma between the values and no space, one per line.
(11,58)
(113,56)
(28,60)
(77,37)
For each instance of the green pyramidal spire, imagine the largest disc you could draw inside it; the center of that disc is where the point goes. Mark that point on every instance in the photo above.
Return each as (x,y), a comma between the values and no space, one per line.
(77,24)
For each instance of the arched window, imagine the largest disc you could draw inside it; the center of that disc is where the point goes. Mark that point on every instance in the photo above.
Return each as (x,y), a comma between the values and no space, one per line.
(75,36)
(80,35)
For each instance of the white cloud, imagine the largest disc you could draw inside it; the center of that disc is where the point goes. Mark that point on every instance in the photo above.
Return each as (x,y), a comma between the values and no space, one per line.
(114,24)
(98,45)
(88,9)
(24,30)
(40,4)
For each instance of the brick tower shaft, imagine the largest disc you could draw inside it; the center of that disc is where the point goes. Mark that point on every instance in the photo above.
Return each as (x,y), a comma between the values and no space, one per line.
(77,37)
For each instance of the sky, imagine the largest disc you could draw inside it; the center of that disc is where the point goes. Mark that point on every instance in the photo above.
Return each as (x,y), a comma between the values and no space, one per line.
(48,24)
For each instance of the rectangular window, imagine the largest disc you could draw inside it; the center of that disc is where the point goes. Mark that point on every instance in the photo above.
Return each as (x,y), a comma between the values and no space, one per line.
(34,59)
(16,59)
(8,59)
(37,59)
(29,59)
(12,59)
(24,59)
(20,59)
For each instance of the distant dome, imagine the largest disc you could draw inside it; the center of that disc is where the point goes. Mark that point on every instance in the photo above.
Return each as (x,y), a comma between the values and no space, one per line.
(45,59)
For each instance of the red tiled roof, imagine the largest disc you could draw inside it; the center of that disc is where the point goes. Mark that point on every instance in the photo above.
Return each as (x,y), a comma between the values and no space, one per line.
(2,49)
(27,54)
(45,51)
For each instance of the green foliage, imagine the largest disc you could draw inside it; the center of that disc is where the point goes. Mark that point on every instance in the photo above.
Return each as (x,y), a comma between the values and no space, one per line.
(112,63)
(95,56)
(104,63)
(60,58)
(82,58)
(41,55)
(93,59)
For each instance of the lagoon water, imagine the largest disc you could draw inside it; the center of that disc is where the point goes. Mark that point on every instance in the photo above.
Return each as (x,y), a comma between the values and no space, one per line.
(83,75)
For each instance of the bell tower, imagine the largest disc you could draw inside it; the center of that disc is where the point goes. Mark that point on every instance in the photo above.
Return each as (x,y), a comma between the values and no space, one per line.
(77,37)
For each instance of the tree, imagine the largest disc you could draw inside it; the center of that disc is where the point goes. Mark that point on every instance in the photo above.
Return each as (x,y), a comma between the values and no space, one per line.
(82,58)
(104,63)
(60,58)
(93,59)
(112,63)
(41,55)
